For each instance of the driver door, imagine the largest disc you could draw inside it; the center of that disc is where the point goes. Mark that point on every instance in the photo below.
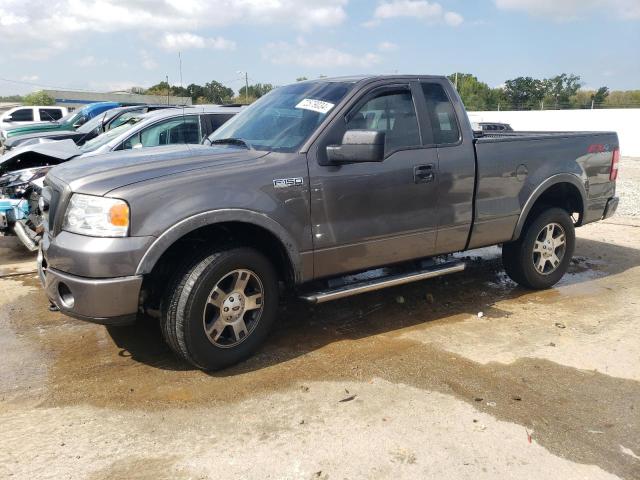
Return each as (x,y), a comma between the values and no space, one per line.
(365,215)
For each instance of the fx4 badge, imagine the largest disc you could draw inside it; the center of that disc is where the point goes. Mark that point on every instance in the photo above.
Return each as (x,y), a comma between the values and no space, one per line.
(288,182)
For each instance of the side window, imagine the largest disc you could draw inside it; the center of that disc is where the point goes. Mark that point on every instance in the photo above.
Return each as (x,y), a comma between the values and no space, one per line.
(50,114)
(168,132)
(122,119)
(441,113)
(130,142)
(22,115)
(217,120)
(393,113)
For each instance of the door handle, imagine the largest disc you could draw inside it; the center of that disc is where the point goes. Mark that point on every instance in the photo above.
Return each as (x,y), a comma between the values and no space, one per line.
(424,173)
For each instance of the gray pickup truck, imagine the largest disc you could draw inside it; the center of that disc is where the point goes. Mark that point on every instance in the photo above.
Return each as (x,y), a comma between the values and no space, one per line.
(324,188)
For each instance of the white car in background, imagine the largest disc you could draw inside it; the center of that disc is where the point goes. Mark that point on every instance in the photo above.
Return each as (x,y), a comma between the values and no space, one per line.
(19,116)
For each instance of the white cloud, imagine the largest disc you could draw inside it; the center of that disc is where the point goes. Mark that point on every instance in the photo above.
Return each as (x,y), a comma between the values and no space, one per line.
(91,61)
(387,47)
(23,21)
(184,41)
(454,19)
(147,61)
(564,10)
(301,54)
(431,12)
(30,78)
(121,86)
(8,19)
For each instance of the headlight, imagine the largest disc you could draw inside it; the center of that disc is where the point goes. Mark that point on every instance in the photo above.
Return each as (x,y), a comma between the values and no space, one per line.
(96,216)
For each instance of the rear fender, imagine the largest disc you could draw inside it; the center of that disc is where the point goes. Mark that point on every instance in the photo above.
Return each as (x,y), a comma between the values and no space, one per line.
(539,191)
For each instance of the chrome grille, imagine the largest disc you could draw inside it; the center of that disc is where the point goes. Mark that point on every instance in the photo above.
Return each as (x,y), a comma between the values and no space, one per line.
(54,193)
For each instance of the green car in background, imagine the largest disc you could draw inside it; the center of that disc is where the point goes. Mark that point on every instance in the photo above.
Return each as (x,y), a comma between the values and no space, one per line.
(69,122)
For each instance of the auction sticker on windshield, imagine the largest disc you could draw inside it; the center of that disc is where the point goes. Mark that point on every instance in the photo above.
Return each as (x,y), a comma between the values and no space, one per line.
(315,105)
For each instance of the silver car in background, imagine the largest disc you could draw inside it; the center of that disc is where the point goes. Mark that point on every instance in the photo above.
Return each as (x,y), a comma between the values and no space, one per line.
(23,169)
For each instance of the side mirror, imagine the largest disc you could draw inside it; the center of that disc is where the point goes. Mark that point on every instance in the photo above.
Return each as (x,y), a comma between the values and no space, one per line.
(7,119)
(358,146)
(81,121)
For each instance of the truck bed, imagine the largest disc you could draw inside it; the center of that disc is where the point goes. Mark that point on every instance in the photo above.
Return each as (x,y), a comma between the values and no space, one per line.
(512,165)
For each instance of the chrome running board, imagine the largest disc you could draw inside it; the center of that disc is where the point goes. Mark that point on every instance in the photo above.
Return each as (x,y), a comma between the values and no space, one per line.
(382,282)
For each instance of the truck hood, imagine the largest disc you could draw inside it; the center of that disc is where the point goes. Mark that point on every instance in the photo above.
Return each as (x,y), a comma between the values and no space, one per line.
(100,174)
(38,155)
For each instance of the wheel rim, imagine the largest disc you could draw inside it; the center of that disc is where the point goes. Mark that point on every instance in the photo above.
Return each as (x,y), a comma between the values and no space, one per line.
(233,308)
(549,249)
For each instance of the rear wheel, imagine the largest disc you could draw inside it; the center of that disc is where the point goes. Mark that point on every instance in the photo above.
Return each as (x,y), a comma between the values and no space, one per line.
(542,255)
(220,307)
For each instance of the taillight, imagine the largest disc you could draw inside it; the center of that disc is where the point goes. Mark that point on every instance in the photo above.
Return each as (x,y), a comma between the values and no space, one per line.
(615,159)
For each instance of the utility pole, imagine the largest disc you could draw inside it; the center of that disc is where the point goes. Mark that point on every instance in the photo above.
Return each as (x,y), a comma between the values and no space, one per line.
(456,81)
(246,87)
(168,89)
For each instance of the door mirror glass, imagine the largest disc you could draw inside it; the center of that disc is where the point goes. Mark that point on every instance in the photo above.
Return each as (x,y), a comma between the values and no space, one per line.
(81,121)
(358,146)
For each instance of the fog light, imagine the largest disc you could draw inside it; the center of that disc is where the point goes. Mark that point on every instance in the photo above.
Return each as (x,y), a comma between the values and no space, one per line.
(66,297)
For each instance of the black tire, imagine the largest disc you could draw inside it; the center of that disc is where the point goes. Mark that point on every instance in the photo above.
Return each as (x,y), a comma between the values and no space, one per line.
(187,297)
(518,257)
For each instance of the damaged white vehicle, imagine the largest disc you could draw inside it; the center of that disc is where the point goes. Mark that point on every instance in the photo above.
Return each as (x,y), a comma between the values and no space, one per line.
(23,169)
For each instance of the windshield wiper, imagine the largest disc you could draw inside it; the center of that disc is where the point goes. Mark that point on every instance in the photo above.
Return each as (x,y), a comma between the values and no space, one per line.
(231,141)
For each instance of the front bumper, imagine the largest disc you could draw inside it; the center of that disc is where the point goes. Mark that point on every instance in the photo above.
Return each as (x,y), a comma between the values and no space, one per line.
(108,301)
(612,206)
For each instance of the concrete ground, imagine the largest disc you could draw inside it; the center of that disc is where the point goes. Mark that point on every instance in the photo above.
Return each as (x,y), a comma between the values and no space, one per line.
(466,376)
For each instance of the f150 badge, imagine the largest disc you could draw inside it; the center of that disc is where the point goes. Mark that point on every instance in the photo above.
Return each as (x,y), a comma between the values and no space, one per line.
(288,182)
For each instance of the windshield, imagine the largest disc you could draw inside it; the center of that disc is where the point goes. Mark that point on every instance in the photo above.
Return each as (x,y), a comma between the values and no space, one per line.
(72,118)
(106,137)
(66,118)
(283,119)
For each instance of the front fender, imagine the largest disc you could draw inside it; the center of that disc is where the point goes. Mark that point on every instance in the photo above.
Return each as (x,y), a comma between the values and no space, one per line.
(182,228)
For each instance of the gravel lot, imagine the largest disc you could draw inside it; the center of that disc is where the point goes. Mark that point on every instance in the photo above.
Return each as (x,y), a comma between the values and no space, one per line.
(410,382)
(629,187)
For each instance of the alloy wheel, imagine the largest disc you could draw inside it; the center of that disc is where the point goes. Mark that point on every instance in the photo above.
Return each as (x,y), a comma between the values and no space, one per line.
(233,309)
(549,248)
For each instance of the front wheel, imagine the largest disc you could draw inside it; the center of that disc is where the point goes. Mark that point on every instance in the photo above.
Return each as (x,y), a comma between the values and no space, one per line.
(541,256)
(220,307)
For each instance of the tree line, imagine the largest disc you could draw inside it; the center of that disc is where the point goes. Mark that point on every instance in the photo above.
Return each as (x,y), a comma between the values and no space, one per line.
(562,91)
(210,92)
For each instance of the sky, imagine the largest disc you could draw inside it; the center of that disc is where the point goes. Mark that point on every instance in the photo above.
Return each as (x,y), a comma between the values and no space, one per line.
(108,45)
